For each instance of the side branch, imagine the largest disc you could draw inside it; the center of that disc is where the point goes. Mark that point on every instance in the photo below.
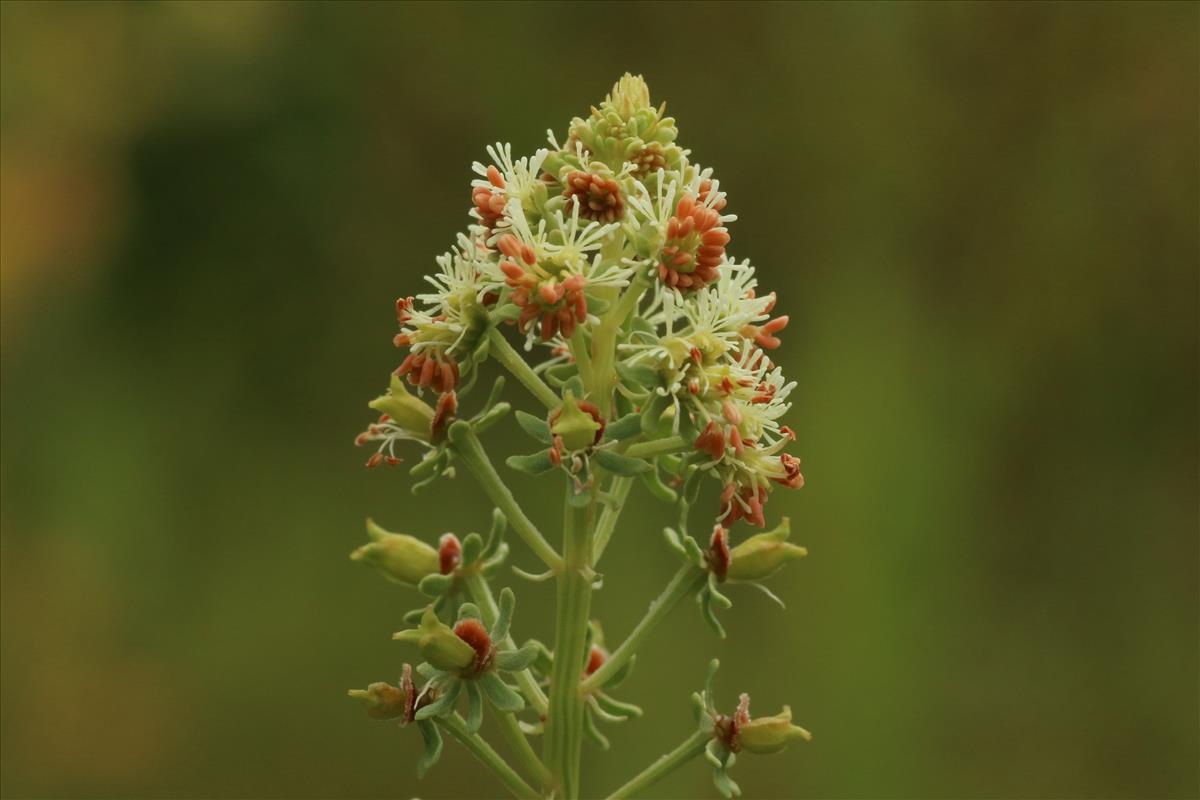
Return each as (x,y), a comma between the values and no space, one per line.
(514,363)
(686,581)
(691,747)
(456,727)
(467,445)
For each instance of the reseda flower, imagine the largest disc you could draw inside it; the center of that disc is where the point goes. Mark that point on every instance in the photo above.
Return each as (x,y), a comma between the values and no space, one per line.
(597,196)
(769,734)
(577,424)
(400,557)
(760,556)
(441,645)
(382,700)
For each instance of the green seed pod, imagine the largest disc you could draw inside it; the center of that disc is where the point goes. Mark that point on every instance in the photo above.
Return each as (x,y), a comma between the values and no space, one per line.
(770,734)
(577,427)
(382,700)
(438,643)
(763,555)
(398,556)
(405,409)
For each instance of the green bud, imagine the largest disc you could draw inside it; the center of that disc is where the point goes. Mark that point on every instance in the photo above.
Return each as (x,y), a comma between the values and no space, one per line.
(770,734)
(382,700)
(405,409)
(577,427)
(438,643)
(763,555)
(629,95)
(399,556)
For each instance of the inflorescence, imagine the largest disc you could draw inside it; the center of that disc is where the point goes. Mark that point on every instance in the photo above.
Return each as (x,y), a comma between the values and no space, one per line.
(649,347)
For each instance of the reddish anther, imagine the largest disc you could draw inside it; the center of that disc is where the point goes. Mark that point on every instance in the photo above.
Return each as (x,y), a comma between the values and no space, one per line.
(791,466)
(718,555)
(596,658)
(473,633)
(712,441)
(449,553)
(598,198)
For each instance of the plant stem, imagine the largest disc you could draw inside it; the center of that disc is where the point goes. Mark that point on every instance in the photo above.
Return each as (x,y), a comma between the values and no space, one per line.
(685,582)
(524,752)
(456,727)
(619,489)
(467,445)
(690,748)
(564,726)
(514,363)
(583,358)
(604,342)
(657,447)
(481,593)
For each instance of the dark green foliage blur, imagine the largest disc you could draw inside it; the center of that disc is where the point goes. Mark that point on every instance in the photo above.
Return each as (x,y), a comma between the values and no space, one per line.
(981,218)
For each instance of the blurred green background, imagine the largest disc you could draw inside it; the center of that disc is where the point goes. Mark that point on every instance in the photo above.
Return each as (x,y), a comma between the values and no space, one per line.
(981,218)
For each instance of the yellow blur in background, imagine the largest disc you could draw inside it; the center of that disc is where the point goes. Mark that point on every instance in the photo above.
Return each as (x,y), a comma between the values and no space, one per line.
(981,219)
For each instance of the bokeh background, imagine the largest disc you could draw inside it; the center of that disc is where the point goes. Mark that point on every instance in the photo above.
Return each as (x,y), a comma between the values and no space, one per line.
(981,218)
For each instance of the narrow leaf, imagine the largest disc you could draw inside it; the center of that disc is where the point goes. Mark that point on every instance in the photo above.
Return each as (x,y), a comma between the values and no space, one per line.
(536,427)
(500,693)
(474,707)
(619,464)
(433,747)
(532,464)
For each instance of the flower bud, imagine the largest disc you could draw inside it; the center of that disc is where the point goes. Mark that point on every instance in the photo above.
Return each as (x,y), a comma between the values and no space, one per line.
(763,555)
(399,556)
(438,643)
(629,95)
(770,734)
(577,424)
(405,409)
(382,700)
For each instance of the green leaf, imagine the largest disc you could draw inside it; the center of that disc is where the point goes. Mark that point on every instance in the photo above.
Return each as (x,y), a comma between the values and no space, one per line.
(620,675)
(626,427)
(433,747)
(619,464)
(621,709)
(435,585)
(589,727)
(657,488)
(638,374)
(472,548)
(652,413)
(508,602)
(444,704)
(500,693)
(474,707)
(490,417)
(575,385)
(532,464)
(534,426)
(516,660)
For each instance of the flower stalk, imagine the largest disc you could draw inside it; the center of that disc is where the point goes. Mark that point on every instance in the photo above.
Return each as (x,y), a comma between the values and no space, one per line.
(647,349)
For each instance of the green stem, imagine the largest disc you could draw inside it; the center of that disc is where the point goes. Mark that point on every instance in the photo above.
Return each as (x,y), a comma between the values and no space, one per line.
(526,757)
(690,748)
(467,445)
(481,593)
(583,358)
(564,725)
(514,363)
(456,727)
(657,447)
(685,582)
(604,343)
(619,489)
